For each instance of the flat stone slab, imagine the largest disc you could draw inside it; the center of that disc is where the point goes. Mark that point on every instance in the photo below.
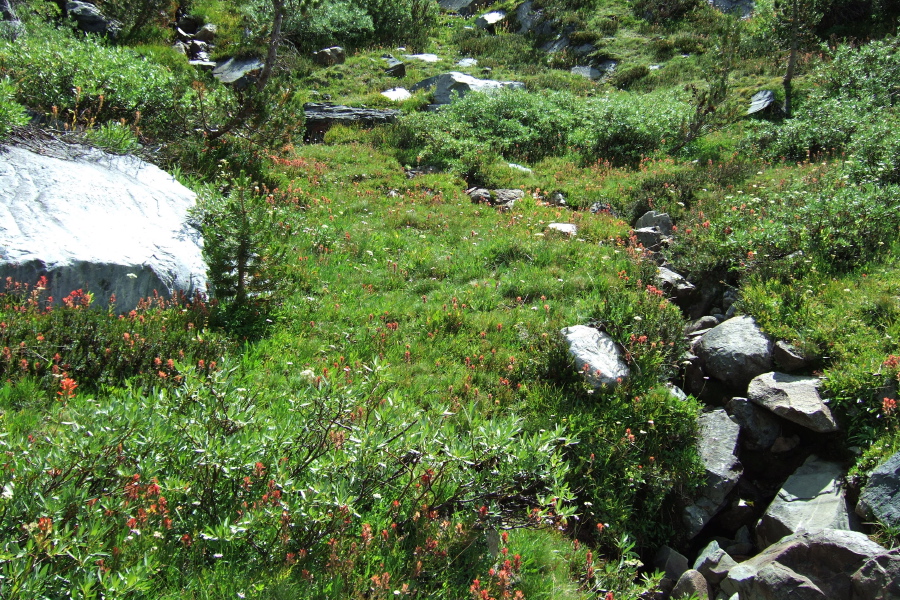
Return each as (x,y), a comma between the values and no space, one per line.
(811,498)
(792,397)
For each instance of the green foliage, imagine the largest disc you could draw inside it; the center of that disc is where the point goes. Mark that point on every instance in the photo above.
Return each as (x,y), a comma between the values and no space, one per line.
(80,80)
(95,348)
(243,237)
(661,11)
(527,127)
(137,15)
(853,93)
(115,137)
(12,114)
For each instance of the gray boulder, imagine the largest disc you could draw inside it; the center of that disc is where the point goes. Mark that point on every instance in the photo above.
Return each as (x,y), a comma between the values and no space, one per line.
(794,398)
(717,439)
(880,499)
(596,355)
(878,579)
(811,498)
(789,358)
(588,72)
(811,564)
(759,428)
(450,86)
(661,221)
(691,584)
(207,33)
(670,562)
(98,222)
(736,351)
(714,563)
(527,16)
(649,237)
(237,70)
(91,20)
(330,56)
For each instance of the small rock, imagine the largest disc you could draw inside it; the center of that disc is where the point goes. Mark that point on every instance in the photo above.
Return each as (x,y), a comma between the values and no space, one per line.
(397,69)
(703,323)
(207,33)
(794,398)
(670,562)
(467,62)
(789,358)
(587,72)
(691,584)
(429,58)
(596,355)
(661,221)
(328,57)
(714,563)
(649,237)
(785,444)
(397,94)
(759,428)
(489,20)
(565,228)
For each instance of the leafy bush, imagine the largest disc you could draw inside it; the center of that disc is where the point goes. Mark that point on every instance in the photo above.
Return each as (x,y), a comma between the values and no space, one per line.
(96,348)
(527,127)
(80,80)
(12,114)
(858,88)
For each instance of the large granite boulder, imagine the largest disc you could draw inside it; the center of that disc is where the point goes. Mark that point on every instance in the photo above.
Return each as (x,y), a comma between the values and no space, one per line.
(795,398)
(718,440)
(736,351)
(450,86)
(811,498)
(880,498)
(596,355)
(817,564)
(98,222)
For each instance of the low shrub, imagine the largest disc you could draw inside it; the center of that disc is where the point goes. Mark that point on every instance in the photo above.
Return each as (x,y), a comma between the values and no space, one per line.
(12,114)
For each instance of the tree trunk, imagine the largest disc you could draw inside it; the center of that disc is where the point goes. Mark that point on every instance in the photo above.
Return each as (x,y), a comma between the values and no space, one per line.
(792,58)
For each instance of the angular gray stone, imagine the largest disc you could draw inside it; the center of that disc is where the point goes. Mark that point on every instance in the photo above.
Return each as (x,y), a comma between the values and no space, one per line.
(792,397)
(207,33)
(596,355)
(714,563)
(235,69)
(395,68)
(811,498)
(588,72)
(878,579)
(789,358)
(691,584)
(91,20)
(717,439)
(330,56)
(527,16)
(95,221)
(759,428)
(651,218)
(649,237)
(810,564)
(761,101)
(450,86)
(880,499)
(736,351)
(670,562)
